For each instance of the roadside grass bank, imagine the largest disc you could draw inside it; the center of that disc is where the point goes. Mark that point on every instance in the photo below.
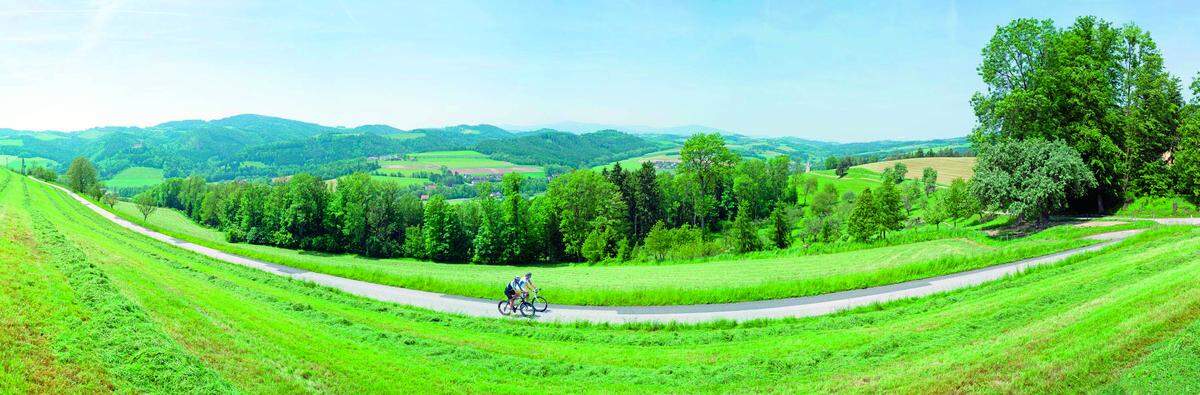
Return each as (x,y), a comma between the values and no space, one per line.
(1083,324)
(761,276)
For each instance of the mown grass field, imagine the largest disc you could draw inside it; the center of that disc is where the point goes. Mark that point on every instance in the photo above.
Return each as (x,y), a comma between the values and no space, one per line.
(1120,320)
(135,177)
(948,168)
(760,276)
(462,162)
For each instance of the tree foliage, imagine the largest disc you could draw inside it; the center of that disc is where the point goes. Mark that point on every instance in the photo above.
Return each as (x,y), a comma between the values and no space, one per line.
(81,175)
(1099,88)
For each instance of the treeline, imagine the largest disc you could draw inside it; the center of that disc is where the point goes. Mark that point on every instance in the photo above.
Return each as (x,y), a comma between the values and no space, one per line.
(1084,117)
(584,215)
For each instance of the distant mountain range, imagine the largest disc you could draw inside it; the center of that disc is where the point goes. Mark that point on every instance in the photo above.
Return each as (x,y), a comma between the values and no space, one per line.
(257,146)
(585,127)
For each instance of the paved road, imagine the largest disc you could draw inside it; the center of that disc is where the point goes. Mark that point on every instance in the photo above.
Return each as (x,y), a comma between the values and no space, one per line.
(792,307)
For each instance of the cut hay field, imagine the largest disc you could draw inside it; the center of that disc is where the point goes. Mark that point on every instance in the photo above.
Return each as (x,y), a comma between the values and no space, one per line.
(948,168)
(461,162)
(90,307)
(716,280)
(135,177)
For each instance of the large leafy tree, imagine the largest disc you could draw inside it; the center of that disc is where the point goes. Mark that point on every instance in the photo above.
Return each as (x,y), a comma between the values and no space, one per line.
(439,230)
(1100,89)
(580,198)
(1187,156)
(81,175)
(863,223)
(303,217)
(349,209)
(1029,178)
(516,227)
(706,161)
(929,180)
(889,210)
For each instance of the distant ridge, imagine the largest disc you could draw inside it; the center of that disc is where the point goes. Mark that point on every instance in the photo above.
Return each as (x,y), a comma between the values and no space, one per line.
(586,127)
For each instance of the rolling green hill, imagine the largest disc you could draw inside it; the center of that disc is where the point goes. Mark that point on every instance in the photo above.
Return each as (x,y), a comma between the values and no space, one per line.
(96,308)
(549,147)
(256,146)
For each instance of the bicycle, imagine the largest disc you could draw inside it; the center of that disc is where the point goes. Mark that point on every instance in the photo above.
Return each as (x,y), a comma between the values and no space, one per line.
(524,307)
(539,303)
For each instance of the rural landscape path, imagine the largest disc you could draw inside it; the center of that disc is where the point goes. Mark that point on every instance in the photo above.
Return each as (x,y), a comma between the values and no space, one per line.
(779,308)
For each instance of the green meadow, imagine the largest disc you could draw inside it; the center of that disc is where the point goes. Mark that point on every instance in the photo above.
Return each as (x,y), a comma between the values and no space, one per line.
(727,278)
(135,177)
(90,307)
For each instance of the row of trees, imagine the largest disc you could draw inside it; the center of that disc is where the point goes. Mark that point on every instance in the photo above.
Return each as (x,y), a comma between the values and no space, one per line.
(584,214)
(1085,116)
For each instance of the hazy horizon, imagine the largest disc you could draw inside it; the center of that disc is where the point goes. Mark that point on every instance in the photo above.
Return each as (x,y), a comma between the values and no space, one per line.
(836,72)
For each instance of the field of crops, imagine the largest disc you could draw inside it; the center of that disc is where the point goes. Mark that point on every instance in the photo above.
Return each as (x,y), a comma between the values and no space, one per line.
(461,162)
(769,275)
(135,177)
(948,168)
(89,307)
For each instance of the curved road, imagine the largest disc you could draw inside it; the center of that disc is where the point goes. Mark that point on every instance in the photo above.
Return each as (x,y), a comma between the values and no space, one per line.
(791,307)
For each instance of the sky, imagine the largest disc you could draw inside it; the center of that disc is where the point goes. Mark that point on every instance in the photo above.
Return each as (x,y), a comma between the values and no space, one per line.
(839,71)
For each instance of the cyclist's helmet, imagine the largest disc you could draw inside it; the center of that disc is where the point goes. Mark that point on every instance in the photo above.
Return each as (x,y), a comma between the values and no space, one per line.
(528,275)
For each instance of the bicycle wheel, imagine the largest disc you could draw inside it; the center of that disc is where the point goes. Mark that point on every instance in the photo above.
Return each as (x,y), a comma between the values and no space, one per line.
(504,307)
(540,304)
(527,310)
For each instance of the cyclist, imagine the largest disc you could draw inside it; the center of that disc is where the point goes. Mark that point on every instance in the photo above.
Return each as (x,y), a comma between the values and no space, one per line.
(519,286)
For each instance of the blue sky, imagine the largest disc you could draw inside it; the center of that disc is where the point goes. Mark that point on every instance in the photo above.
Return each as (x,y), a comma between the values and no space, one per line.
(844,71)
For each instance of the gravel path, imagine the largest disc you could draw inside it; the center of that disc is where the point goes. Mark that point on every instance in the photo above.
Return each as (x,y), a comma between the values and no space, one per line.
(791,307)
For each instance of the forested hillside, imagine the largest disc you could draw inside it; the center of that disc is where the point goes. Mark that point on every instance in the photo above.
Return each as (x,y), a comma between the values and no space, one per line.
(259,147)
(551,147)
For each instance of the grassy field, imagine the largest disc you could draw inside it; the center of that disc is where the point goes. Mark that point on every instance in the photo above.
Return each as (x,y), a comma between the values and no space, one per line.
(12,142)
(14,162)
(135,177)
(669,155)
(1120,320)
(948,168)
(402,181)
(856,180)
(1159,207)
(721,279)
(462,162)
